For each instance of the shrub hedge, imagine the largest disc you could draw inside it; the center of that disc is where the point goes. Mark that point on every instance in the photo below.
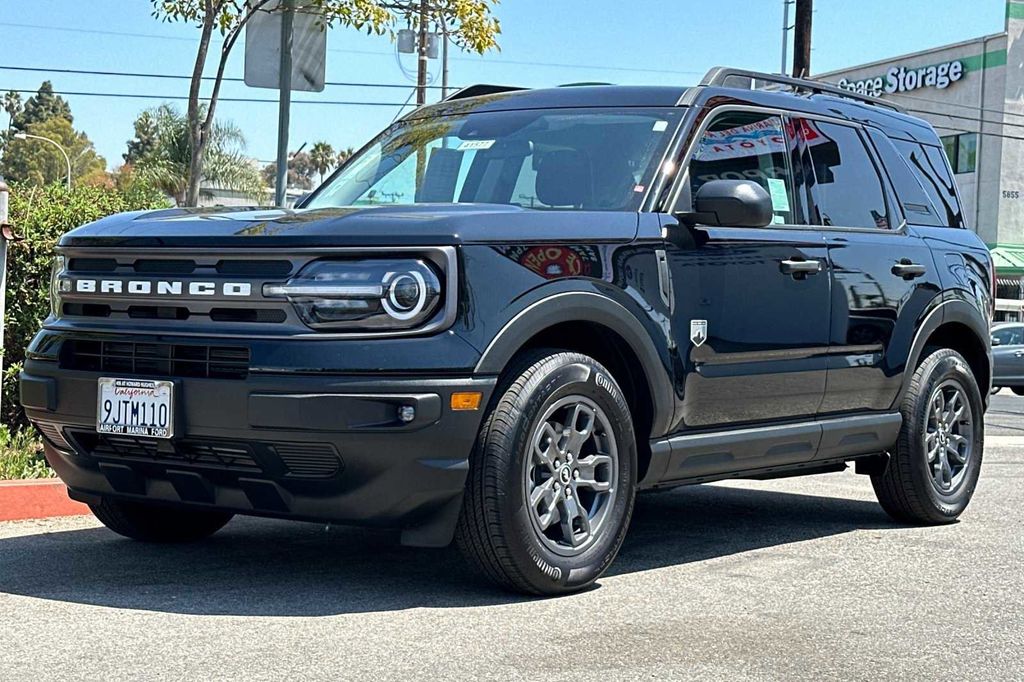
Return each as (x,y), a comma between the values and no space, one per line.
(40,215)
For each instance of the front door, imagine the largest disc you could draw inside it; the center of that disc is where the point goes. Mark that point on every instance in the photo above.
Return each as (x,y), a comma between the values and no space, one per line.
(751,316)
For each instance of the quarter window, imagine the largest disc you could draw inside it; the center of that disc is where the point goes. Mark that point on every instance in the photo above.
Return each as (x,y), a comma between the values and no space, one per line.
(747,146)
(962,152)
(846,187)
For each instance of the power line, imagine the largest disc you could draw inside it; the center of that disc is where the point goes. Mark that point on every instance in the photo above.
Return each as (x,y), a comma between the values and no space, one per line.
(378,53)
(132,95)
(130,74)
(960,130)
(980,121)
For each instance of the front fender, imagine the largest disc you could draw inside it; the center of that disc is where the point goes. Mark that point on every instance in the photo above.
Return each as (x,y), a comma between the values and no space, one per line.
(598,307)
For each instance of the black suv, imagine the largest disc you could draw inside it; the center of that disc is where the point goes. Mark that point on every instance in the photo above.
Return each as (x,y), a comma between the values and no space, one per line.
(514,309)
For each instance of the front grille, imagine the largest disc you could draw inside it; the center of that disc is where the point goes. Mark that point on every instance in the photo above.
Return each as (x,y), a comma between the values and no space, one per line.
(285,460)
(156,359)
(152,293)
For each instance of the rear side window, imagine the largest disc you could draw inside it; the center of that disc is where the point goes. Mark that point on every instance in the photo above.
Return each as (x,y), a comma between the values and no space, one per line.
(846,188)
(929,165)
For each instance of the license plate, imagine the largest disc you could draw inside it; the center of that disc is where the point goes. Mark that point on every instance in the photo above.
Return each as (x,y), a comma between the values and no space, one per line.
(135,407)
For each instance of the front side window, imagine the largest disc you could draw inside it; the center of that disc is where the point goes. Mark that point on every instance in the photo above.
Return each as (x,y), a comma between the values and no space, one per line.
(1010,336)
(846,188)
(747,146)
(589,159)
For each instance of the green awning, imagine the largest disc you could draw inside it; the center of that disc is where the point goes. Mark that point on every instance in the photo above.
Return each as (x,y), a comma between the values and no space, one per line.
(1009,260)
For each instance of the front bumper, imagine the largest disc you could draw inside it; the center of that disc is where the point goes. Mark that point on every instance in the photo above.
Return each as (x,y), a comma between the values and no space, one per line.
(314,447)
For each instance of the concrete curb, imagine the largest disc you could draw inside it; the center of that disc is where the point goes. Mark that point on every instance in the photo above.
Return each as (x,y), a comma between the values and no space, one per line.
(36,499)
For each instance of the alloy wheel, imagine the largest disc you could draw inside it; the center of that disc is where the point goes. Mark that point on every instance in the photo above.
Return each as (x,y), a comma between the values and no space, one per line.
(949,436)
(571,472)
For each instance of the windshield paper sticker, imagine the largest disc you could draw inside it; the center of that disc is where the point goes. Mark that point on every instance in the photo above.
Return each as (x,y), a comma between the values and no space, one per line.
(467,145)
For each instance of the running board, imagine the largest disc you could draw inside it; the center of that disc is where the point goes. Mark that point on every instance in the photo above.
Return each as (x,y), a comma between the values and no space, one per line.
(768,450)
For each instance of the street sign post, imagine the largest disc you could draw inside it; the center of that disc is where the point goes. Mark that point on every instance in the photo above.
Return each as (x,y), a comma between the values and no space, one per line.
(285,50)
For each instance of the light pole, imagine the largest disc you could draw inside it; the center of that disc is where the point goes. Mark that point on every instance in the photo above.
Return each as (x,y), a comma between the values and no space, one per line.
(67,159)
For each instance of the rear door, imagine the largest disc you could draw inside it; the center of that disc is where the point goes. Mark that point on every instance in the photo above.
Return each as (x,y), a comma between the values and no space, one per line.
(883,275)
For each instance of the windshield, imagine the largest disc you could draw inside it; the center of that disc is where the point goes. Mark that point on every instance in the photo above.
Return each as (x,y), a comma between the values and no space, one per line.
(590,159)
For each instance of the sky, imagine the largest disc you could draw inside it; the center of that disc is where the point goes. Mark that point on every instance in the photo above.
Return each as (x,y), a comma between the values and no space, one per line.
(543,43)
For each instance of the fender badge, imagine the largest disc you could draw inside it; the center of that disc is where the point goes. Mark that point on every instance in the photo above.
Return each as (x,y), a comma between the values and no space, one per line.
(698,332)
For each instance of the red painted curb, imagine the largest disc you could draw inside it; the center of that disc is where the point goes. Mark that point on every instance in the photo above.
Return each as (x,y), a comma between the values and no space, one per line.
(37,499)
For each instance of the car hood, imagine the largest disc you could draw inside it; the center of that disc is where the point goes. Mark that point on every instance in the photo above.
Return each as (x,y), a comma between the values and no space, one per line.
(422,224)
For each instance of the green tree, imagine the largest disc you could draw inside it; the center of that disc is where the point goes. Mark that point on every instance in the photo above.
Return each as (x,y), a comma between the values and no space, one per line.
(163,158)
(469,23)
(41,107)
(300,171)
(12,105)
(323,158)
(39,163)
(145,140)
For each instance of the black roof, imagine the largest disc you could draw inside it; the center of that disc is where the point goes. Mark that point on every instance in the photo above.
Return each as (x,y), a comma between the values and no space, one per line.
(568,97)
(801,96)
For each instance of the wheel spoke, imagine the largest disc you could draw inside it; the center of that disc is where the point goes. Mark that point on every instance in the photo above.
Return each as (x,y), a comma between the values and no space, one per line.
(549,517)
(572,511)
(584,514)
(588,470)
(579,426)
(938,406)
(545,448)
(544,491)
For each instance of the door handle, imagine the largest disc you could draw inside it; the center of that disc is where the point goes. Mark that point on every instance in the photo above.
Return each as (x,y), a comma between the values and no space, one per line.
(799,268)
(1019,353)
(907,269)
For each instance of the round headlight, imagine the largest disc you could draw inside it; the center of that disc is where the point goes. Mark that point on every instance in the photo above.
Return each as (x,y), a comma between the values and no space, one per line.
(406,294)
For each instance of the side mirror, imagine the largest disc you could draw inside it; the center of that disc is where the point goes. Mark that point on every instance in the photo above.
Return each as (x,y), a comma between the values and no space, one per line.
(996,341)
(731,203)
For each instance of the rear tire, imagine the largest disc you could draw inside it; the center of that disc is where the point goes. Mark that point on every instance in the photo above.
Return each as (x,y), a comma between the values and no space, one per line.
(1018,390)
(552,479)
(934,468)
(152,523)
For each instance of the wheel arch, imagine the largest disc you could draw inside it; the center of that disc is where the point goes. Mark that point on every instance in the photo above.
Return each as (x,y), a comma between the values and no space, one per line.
(961,327)
(602,328)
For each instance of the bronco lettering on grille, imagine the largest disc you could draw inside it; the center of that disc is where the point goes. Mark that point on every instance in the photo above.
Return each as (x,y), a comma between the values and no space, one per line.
(161,287)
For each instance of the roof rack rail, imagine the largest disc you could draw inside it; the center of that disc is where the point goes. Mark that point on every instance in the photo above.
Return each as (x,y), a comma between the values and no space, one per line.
(719,75)
(481,89)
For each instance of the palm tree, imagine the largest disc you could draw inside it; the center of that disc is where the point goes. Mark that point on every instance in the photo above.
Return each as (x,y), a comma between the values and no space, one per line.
(322,156)
(343,156)
(165,163)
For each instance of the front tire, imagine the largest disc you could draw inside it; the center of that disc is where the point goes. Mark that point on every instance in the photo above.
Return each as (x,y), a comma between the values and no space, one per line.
(934,469)
(553,478)
(152,523)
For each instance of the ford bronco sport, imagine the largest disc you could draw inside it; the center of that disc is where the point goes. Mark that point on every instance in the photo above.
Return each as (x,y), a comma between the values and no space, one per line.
(514,309)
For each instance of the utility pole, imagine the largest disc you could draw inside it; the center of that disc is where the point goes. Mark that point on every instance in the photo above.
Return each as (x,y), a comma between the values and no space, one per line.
(785,36)
(421,42)
(802,39)
(4,232)
(444,59)
(285,102)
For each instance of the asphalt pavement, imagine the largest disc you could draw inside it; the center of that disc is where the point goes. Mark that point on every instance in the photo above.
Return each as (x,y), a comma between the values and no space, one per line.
(794,579)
